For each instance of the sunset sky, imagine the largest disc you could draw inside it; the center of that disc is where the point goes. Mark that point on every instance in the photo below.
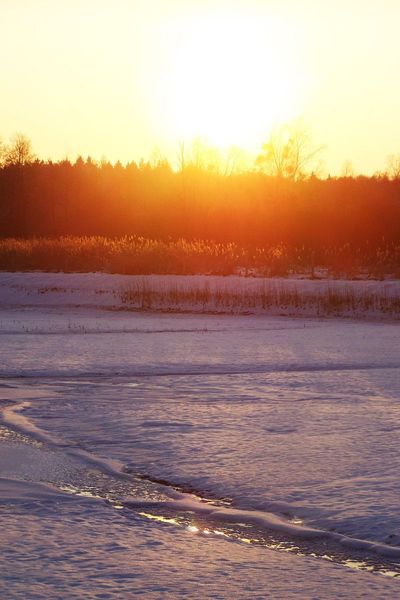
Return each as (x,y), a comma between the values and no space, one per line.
(122,79)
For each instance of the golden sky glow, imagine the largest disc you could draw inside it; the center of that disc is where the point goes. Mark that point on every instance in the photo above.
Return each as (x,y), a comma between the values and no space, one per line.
(121,78)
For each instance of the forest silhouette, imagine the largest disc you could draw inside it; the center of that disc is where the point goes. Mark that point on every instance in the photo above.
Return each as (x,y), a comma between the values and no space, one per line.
(355,219)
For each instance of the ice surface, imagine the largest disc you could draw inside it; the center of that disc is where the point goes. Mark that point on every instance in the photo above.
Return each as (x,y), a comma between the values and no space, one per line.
(87,550)
(293,421)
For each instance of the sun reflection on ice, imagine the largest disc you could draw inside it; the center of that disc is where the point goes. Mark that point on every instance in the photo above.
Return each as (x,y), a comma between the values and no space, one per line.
(192,528)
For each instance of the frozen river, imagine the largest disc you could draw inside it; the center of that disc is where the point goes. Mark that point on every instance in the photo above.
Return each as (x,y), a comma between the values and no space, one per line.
(198,456)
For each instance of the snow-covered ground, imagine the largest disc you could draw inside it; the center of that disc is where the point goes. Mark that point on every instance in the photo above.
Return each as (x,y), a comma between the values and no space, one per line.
(201,456)
(204,294)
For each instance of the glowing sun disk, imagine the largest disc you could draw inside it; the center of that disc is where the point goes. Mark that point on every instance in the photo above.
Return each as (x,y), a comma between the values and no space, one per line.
(229,80)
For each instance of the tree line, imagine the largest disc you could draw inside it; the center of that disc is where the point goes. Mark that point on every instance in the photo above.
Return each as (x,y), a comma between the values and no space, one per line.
(256,207)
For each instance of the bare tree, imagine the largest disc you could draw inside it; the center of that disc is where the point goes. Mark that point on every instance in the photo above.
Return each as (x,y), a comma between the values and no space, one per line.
(2,152)
(19,151)
(289,152)
(181,156)
(204,156)
(393,166)
(199,155)
(347,169)
(236,160)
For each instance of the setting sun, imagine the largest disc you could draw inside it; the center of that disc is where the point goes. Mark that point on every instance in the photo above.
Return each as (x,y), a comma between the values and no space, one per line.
(229,78)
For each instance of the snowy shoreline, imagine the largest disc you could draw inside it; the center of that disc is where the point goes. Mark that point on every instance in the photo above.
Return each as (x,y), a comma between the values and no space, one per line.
(203,294)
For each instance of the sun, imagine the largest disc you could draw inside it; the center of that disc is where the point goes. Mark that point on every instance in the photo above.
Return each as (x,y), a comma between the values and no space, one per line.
(229,78)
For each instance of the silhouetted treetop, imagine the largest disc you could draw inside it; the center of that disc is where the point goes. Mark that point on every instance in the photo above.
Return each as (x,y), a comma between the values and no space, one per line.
(19,151)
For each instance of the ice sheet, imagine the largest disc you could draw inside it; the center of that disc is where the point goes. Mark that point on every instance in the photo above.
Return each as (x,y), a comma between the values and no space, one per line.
(296,418)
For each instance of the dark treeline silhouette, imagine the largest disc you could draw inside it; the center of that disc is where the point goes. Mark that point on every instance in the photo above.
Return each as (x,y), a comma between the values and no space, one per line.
(84,198)
(51,199)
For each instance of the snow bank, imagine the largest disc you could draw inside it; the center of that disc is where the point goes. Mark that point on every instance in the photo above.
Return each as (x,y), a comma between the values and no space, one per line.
(202,293)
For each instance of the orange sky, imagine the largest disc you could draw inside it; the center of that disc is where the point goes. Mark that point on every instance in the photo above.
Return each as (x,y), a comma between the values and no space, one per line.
(123,79)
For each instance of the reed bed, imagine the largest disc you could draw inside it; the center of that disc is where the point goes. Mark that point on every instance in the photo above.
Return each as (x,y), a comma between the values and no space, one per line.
(263,298)
(138,255)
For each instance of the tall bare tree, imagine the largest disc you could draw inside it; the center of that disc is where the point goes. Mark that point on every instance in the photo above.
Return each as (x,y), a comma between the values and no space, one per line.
(201,155)
(19,151)
(393,166)
(347,169)
(289,152)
